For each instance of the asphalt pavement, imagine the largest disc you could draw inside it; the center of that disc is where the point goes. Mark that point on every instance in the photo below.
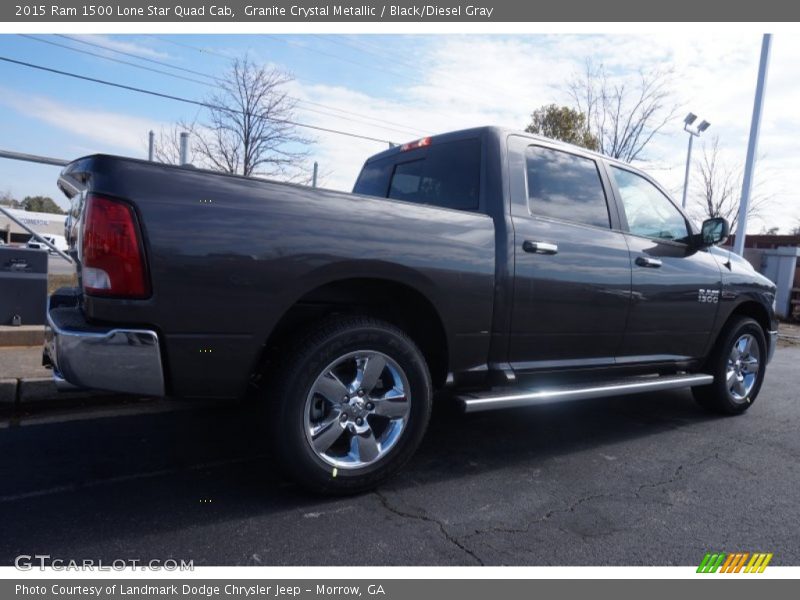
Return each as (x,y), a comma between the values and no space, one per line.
(636,480)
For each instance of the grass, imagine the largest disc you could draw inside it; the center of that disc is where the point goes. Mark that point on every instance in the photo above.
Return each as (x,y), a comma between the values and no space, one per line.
(57,281)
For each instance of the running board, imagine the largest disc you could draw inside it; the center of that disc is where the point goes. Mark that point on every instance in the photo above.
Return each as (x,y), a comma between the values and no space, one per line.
(513,398)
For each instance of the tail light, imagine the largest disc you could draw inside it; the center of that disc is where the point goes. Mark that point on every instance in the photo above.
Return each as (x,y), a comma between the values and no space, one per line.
(112,256)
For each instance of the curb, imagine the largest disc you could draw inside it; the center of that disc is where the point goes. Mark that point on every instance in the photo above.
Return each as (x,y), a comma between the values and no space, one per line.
(24,335)
(25,392)
(8,393)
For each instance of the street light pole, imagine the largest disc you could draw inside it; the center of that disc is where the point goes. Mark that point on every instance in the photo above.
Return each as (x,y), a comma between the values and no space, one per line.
(693,133)
(686,176)
(752,146)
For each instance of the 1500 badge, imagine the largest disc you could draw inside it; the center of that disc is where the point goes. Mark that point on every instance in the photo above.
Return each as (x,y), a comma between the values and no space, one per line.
(708,296)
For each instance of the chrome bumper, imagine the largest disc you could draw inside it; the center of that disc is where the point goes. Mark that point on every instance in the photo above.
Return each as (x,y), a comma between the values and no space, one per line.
(117,360)
(772,343)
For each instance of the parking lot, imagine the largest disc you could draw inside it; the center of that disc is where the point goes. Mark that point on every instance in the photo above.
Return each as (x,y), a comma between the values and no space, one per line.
(58,266)
(639,480)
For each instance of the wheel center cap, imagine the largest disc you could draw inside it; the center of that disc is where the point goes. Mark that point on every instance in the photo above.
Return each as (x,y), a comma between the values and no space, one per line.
(357,408)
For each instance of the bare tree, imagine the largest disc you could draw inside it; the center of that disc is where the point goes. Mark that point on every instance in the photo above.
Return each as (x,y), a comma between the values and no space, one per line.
(721,186)
(624,116)
(250,126)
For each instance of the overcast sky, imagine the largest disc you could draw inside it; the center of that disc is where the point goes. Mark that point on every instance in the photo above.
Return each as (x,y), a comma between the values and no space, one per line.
(398,88)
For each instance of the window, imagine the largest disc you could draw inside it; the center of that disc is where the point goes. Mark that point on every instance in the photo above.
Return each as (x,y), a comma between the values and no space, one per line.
(565,186)
(405,182)
(374,179)
(649,212)
(444,174)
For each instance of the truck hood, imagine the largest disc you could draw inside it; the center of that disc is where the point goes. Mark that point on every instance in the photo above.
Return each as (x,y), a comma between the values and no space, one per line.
(740,265)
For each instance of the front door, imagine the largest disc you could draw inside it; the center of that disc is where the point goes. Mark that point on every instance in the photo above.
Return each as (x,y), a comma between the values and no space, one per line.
(676,288)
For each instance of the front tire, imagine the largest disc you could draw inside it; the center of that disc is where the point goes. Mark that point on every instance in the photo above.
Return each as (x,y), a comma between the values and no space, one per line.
(738,363)
(352,405)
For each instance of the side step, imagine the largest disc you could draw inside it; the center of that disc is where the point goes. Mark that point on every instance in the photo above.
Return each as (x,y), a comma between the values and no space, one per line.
(514,397)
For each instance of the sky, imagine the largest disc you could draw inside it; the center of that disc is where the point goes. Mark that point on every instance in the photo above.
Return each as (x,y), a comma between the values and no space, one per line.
(398,88)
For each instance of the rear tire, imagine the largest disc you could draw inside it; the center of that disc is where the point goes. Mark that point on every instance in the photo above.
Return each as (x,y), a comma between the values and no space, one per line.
(352,404)
(738,363)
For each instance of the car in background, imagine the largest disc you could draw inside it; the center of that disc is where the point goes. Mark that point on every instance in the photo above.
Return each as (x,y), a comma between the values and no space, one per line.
(59,241)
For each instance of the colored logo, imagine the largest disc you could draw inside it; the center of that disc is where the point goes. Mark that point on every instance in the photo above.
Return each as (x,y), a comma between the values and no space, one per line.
(737,562)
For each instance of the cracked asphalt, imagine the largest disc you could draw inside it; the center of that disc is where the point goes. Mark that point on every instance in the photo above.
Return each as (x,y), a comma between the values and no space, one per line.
(636,480)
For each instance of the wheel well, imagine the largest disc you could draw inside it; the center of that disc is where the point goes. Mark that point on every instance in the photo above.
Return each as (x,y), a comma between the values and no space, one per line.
(393,302)
(751,309)
(755,311)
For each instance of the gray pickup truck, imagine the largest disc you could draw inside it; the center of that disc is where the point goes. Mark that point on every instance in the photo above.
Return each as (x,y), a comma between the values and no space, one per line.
(498,268)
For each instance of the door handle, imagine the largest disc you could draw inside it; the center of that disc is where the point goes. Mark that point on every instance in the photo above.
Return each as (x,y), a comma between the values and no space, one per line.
(539,247)
(646,261)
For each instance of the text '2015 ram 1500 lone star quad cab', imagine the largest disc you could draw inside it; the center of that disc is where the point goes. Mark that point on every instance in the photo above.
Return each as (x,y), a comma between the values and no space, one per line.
(506,269)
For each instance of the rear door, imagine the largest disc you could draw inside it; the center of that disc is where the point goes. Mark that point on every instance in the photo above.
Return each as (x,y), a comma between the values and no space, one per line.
(676,288)
(572,271)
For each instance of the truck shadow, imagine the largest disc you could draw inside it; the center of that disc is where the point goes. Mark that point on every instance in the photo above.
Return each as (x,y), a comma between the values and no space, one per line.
(160,484)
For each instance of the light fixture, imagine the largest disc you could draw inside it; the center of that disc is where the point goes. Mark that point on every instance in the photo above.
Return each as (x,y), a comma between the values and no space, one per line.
(693,133)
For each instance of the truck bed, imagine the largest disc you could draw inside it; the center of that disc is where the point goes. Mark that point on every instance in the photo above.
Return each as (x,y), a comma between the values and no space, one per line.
(228,256)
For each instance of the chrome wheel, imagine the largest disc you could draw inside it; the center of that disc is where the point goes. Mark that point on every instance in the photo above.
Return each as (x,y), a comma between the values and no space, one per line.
(743,367)
(357,409)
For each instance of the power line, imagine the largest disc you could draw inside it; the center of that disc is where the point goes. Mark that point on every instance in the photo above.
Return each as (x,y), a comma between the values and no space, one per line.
(139,90)
(364,120)
(111,58)
(136,56)
(190,47)
(415,80)
(381,54)
(406,128)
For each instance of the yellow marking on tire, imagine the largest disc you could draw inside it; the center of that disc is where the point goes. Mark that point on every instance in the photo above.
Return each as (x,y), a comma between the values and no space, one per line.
(335,472)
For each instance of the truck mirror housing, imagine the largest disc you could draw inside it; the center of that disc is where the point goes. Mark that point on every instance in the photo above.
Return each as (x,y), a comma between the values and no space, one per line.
(714,231)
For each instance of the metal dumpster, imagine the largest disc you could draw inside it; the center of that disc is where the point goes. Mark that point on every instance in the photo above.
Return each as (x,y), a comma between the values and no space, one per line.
(23,286)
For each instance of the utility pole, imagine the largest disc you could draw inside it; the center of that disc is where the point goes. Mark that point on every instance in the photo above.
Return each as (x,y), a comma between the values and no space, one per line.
(151,139)
(752,145)
(314,176)
(184,158)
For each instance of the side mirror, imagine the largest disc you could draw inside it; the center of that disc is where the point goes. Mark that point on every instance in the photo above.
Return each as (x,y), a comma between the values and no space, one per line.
(714,231)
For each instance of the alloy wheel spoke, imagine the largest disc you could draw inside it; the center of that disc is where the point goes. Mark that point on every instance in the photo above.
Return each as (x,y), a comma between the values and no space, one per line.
(748,345)
(731,377)
(331,388)
(750,365)
(741,345)
(739,387)
(369,371)
(365,446)
(325,434)
(393,404)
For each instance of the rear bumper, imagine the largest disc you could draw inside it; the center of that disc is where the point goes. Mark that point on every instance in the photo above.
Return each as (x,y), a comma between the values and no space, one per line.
(772,343)
(86,356)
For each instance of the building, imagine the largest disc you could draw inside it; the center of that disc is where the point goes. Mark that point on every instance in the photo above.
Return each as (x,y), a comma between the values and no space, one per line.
(42,223)
(778,258)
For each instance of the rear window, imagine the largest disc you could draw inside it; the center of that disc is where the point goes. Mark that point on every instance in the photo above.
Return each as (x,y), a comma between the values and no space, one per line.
(374,179)
(565,186)
(446,175)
